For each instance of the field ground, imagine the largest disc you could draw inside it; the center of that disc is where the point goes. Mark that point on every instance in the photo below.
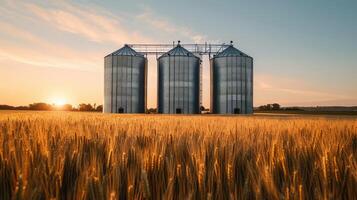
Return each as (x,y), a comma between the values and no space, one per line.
(68,155)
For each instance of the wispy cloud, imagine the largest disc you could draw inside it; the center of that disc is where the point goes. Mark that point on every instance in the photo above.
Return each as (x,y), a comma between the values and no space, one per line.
(33,50)
(297,91)
(19,43)
(269,88)
(87,22)
(149,17)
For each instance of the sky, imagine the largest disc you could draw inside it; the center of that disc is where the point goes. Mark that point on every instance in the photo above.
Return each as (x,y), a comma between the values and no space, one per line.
(305,52)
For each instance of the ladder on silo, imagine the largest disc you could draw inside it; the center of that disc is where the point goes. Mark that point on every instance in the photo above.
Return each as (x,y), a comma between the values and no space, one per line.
(200,83)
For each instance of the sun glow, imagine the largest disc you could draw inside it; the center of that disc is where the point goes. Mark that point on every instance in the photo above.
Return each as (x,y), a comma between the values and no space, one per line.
(59,101)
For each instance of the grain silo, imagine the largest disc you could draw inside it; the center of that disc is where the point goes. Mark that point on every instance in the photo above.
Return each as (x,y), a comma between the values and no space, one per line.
(125,73)
(179,82)
(232,82)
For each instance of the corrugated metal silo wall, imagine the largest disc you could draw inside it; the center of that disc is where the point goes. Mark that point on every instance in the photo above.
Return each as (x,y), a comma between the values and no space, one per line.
(125,84)
(232,85)
(178,84)
(108,70)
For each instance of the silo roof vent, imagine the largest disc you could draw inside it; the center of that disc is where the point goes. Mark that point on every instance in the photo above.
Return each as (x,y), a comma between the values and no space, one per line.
(126,51)
(231,51)
(178,51)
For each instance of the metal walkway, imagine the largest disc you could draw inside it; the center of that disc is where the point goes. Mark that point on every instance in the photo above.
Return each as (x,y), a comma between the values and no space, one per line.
(197,49)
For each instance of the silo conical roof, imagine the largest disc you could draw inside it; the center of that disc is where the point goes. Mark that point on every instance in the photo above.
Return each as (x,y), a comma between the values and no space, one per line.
(178,51)
(125,51)
(231,51)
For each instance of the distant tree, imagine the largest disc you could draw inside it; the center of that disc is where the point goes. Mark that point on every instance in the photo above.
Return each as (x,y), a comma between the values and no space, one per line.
(6,107)
(293,109)
(264,107)
(151,111)
(85,107)
(99,108)
(67,107)
(40,106)
(275,106)
(21,108)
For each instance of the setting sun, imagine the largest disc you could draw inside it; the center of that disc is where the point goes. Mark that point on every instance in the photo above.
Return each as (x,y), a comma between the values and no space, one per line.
(59,101)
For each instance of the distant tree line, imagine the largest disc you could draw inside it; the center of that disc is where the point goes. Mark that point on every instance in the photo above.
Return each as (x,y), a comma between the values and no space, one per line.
(276,106)
(45,106)
(151,111)
(323,110)
(273,106)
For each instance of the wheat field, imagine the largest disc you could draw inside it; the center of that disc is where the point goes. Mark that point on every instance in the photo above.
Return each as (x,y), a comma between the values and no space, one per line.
(63,155)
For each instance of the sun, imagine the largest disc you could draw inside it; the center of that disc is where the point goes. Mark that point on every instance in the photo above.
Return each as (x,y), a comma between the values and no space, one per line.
(59,101)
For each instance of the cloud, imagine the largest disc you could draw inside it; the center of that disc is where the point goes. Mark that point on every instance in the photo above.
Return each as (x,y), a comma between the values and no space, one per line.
(299,91)
(38,60)
(22,43)
(33,50)
(150,18)
(264,85)
(290,91)
(87,22)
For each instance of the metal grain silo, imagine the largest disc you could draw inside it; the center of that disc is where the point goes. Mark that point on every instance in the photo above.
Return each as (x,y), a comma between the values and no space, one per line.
(125,73)
(179,82)
(232,82)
